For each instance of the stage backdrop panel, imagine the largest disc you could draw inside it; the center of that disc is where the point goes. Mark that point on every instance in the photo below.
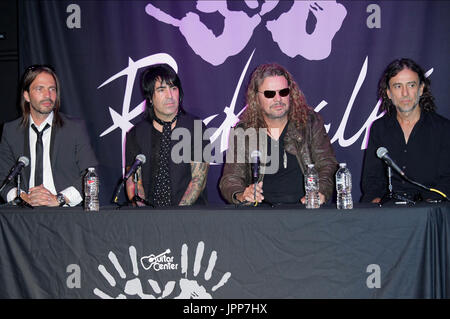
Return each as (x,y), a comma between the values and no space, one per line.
(336,51)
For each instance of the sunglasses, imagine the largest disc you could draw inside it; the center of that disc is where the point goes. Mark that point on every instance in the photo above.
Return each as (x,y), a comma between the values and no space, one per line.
(270,94)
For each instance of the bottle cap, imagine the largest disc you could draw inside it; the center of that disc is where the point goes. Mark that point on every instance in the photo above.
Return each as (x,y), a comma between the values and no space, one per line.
(342,164)
(310,165)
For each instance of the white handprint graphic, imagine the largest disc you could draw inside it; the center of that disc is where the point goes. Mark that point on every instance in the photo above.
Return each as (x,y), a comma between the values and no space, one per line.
(133,287)
(191,288)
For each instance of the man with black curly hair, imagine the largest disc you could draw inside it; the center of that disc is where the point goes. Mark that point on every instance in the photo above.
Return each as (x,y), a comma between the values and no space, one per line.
(417,138)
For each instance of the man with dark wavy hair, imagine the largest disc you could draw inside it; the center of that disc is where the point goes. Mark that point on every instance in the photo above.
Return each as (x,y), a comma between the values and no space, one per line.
(277,110)
(164,180)
(417,138)
(57,145)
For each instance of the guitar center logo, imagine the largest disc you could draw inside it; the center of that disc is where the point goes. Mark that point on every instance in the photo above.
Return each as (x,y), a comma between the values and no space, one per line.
(200,281)
(159,262)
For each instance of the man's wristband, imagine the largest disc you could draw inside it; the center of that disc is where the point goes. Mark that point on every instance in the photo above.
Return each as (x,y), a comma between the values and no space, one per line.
(234,196)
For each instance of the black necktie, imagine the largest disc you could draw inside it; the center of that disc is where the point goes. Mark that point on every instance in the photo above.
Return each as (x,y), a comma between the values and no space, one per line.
(39,163)
(163,187)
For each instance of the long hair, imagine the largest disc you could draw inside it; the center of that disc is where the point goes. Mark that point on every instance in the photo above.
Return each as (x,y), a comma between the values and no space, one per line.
(163,73)
(28,77)
(426,101)
(253,115)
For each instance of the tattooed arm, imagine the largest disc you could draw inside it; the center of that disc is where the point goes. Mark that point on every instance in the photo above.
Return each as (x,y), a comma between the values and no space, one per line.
(199,173)
(130,186)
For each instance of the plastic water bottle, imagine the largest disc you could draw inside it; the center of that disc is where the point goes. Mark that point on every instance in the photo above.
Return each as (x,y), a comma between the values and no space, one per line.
(312,187)
(91,190)
(344,187)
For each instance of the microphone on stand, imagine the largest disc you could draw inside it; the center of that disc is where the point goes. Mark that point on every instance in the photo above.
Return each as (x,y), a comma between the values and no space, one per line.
(140,160)
(255,163)
(22,162)
(382,153)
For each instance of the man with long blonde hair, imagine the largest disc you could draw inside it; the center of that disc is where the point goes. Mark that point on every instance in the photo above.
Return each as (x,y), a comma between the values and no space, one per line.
(293,134)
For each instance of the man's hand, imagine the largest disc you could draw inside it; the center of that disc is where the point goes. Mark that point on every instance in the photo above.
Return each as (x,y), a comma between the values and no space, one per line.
(249,194)
(40,196)
(321,199)
(376,200)
(129,186)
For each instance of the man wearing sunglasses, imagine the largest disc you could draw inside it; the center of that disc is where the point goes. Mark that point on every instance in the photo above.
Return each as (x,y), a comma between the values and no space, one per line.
(56,146)
(277,110)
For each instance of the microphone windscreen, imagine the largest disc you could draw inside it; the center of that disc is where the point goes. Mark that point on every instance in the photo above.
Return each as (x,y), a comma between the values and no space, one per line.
(381,151)
(255,154)
(141,157)
(24,160)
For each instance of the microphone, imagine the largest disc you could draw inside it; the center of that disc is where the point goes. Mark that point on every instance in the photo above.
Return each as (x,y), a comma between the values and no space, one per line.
(255,171)
(255,165)
(140,160)
(22,162)
(382,153)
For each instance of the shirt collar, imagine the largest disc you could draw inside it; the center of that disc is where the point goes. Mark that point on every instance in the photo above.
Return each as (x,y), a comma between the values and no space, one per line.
(393,117)
(48,120)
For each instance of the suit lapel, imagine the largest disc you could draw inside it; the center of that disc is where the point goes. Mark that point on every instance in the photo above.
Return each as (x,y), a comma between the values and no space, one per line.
(53,147)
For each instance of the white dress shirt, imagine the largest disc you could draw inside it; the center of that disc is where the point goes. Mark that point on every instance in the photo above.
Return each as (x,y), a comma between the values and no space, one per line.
(71,193)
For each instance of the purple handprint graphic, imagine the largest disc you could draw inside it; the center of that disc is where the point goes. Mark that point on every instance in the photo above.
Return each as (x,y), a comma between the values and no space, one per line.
(289,30)
(237,31)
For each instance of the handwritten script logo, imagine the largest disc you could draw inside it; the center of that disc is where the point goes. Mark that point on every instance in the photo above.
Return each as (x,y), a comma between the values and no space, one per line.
(288,31)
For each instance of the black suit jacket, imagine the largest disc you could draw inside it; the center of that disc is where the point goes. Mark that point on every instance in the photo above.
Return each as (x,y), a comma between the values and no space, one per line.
(139,141)
(70,153)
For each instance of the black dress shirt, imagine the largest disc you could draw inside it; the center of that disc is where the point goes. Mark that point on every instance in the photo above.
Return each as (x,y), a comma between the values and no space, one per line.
(424,159)
(286,185)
